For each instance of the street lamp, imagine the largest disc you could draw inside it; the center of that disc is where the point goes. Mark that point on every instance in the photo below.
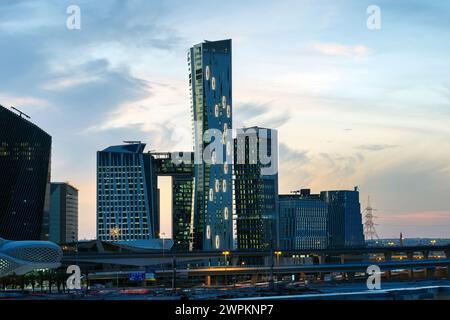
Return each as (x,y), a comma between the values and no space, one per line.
(225,254)
(278,253)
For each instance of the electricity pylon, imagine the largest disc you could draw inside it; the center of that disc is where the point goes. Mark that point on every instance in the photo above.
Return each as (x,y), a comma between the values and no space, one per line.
(369,226)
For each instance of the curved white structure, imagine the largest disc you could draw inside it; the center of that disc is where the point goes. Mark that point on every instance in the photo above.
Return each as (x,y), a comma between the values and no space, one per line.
(20,257)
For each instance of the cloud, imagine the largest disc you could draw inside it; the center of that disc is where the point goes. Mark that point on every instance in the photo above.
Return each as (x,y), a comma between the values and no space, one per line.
(249,114)
(337,49)
(375,147)
(287,154)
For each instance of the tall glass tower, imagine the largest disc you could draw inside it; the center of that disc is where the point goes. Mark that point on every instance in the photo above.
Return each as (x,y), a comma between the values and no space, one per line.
(211,103)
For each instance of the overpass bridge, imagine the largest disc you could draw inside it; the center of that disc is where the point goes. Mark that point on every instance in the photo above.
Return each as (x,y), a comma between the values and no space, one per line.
(129,257)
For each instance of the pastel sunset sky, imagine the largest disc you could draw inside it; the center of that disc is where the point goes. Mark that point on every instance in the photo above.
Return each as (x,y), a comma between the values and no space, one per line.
(353,106)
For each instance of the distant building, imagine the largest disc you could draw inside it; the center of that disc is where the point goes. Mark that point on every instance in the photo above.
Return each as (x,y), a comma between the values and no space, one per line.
(256,191)
(345,227)
(127,196)
(182,174)
(303,221)
(63,222)
(211,104)
(25,152)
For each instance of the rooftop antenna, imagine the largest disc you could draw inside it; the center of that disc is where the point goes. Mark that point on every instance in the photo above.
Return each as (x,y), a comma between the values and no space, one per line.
(369,226)
(21,114)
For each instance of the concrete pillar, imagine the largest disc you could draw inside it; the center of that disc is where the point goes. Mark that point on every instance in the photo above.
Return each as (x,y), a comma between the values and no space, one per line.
(387,256)
(208,281)
(350,276)
(429,273)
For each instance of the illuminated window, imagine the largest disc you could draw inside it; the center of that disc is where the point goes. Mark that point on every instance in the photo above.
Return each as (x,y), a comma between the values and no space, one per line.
(211,195)
(224,102)
(208,232)
(224,185)
(225,213)
(207,73)
(228,111)
(213,83)
(217,242)
(217,185)
(225,167)
(216,110)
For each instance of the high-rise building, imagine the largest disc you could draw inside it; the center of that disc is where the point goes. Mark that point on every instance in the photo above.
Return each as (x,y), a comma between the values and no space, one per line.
(127,196)
(255,190)
(182,174)
(303,221)
(25,152)
(211,103)
(63,220)
(345,227)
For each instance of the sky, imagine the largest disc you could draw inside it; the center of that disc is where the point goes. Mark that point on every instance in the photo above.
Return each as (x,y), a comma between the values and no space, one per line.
(353,106)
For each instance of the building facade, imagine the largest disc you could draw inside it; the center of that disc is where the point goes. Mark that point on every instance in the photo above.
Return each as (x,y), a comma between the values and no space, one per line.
(182,173)
(127,195)
(345,227)
(211,103)
(63,220)
(255,191)
(303,221)
(25,152)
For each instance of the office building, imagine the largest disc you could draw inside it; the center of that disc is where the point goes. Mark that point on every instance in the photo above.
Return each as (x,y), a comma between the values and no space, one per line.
(63,220)
(25,152)
(211,103)
(256,191)
(303,221)
(182,175)
(345,227)
(127,196)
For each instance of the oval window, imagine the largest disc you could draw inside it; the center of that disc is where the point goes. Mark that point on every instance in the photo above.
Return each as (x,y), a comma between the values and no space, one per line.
(213,83)
(208,232)
(207,73)
(217,185)
(217,242)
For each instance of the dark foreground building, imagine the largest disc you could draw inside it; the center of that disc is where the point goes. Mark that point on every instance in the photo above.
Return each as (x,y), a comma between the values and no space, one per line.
(345,227)
(63,222)
(24,178)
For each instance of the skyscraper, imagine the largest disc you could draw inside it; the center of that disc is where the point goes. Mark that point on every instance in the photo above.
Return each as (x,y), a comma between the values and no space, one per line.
(211,103)
(256,191)
(127,196)
(25,152)
(63,220)
(182,174)
(303,221)
(345,227)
